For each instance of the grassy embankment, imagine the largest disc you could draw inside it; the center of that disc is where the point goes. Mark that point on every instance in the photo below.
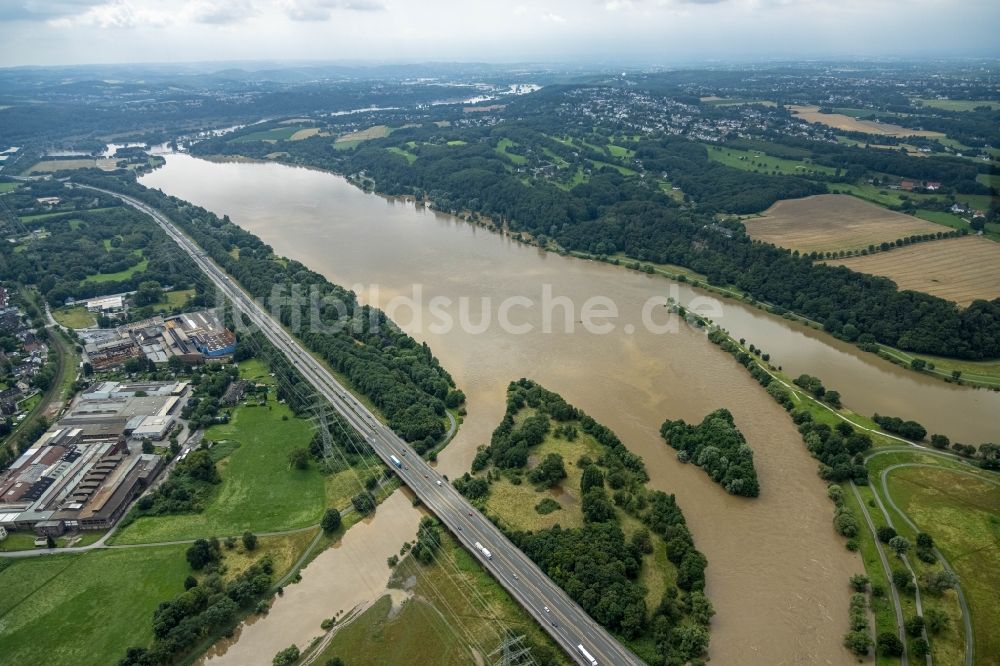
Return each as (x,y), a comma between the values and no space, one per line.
(452,599)
(959,506)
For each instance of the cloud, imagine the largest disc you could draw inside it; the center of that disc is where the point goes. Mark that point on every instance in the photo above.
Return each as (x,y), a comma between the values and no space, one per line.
(219,13)
(320,10)
(117,14)
(40,10)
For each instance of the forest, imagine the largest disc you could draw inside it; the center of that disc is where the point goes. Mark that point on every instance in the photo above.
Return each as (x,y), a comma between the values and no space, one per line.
(94,237)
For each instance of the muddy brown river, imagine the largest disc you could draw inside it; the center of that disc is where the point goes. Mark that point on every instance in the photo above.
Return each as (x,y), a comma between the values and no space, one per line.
(777,572)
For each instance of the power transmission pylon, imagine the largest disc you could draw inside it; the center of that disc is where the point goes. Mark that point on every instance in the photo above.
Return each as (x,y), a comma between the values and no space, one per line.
(512,652)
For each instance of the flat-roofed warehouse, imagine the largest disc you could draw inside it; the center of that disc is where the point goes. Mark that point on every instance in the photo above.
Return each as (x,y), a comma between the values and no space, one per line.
(204,331)
(85,471)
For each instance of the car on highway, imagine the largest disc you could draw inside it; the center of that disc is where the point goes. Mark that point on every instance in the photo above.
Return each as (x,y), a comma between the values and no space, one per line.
(546,608)
(438,482)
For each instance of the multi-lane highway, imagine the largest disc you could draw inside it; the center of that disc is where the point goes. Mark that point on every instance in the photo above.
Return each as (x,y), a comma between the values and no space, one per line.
(561,617)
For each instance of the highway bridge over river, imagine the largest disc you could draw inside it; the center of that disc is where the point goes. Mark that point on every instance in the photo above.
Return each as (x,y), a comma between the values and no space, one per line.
(559,615)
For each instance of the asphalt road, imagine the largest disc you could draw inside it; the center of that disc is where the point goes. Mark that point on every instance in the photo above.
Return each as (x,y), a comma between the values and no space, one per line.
(559,615)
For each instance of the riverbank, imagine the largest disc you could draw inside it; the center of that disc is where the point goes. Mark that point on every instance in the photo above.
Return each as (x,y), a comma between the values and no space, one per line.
(772,599)
(975,374)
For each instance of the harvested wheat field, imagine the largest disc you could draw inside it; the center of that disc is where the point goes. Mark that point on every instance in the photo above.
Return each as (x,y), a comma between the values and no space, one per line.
(376,132)
(833,222)
(959,269)
(306,133)
(839,121)
(48,166)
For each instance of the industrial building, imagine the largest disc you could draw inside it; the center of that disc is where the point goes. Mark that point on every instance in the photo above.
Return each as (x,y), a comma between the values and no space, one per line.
(193,337)
(84,472)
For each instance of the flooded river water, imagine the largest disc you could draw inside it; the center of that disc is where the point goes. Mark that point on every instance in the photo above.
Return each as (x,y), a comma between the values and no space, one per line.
(777,572)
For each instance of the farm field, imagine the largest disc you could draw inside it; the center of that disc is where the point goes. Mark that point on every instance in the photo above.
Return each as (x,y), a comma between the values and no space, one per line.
(375,132)
(832,222)
(107,597)
(958,269)
(961,513)
(48,166)
(305,133)
(840,121)
(8,187)
(989,180)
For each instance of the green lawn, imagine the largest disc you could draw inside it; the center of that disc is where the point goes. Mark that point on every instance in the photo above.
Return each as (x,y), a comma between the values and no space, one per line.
(410,157)
(346,145)
(7,187)
(625,171)
(259,491)
(256,370)
(880,195)
(882,608)
(174,299)
(977,201)
(75,316)
(958,104)
(755,160)
(120,275)
(992,230)
(41,216)
(990,180)
(620,151)
(85,609)
(502,147)
(963,515)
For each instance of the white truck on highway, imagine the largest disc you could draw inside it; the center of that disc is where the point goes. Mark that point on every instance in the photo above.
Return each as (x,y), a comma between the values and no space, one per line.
(485,551)
(586,655)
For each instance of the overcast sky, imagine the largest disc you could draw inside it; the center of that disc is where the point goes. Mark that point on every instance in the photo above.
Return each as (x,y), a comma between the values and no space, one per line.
(47,32)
